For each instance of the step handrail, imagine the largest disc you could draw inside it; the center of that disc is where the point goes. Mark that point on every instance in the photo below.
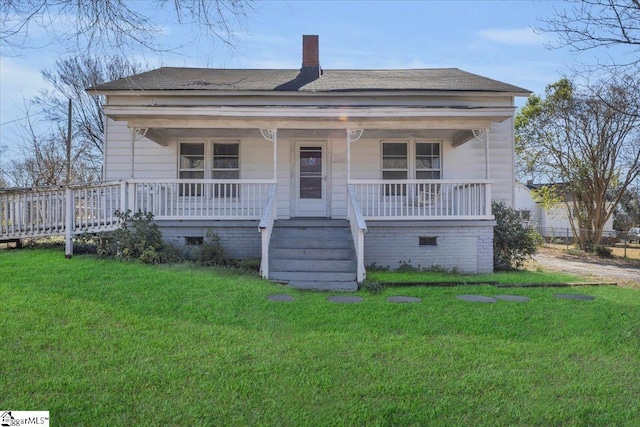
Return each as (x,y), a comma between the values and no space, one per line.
(266,228)
(358,229)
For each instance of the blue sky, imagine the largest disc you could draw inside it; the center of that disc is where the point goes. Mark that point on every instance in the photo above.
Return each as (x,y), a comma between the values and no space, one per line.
(491,38)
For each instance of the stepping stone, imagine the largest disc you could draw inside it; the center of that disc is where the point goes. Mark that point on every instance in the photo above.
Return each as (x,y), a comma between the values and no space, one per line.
(403,299)
(476,298)
(344,299)
(514,298)
(575,296)
(280,297)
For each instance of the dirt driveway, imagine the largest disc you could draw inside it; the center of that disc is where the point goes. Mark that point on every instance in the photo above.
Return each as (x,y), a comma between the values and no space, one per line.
(621,271)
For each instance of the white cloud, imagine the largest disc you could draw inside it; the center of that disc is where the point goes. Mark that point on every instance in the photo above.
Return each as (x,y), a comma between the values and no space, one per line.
(516,36)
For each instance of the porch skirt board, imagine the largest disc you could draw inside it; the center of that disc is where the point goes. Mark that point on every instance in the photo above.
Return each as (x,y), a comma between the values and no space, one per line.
(467,248)
(240,239)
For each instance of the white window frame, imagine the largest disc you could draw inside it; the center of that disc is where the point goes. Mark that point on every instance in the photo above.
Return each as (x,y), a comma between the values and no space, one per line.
(208,163)
(411,156)
(393,190)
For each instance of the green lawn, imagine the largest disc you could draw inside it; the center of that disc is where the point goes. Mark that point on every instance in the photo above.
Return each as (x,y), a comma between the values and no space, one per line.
(99,342)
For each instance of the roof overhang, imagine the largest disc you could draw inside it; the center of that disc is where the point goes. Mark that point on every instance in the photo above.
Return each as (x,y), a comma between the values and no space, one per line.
(309,117)
(306,93)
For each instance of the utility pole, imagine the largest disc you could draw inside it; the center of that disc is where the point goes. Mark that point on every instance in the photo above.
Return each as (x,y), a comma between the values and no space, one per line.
(69,145)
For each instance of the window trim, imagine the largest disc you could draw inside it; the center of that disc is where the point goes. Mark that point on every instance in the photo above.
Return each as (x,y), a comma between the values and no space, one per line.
(225,189)
(208,155)
(411,155)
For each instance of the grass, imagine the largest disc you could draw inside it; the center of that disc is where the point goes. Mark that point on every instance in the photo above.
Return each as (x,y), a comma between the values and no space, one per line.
(98,342)
(503,277)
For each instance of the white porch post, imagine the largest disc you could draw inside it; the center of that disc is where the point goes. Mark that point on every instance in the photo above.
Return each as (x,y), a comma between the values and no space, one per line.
(352,136)
(271,135)
(136,135)
(482,135)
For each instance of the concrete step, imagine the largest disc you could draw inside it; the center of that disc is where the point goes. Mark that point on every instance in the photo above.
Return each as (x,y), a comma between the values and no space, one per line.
(321,233)
(287,253)
(350,286)
(312,265)
(311,222)
(299,276)
(307,243)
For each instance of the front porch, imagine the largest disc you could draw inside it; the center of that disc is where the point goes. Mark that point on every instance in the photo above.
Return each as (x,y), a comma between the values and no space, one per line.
(399,209)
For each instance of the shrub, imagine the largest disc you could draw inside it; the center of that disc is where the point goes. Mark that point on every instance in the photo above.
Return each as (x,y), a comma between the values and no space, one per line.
(211,252)
(372,286)
(514,239)
(603,251)
(137,238)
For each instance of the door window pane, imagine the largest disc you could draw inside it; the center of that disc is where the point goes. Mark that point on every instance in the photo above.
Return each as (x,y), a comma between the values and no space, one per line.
(310,188)
(310,181)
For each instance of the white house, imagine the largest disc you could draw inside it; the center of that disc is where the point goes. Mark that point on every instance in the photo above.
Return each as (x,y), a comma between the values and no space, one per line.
(552,221)
(338,169)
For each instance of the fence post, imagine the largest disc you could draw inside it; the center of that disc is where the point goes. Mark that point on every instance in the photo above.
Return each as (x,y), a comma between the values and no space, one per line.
(68,222)
(131,196)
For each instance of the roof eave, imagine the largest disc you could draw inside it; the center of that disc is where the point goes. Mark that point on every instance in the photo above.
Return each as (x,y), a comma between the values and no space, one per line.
(303,93)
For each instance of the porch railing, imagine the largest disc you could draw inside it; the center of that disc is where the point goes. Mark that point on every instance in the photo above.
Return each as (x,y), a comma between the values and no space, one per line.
(424,199)
(199,199)
(72,210)
(266,228)
(53,211)
(358,229)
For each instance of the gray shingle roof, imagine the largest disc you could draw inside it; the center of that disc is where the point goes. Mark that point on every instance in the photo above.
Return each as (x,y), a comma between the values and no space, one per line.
(436,79)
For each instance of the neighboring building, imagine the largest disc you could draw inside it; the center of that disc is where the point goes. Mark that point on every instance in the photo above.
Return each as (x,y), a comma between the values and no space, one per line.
(553,221)
(339,169)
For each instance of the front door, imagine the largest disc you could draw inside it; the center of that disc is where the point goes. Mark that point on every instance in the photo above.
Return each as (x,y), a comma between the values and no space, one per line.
(311,174)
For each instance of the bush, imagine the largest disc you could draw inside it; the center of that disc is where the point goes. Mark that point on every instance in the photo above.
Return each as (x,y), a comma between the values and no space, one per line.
(138,238)
(514,240)
(372,286)
(603,251)
(211,251)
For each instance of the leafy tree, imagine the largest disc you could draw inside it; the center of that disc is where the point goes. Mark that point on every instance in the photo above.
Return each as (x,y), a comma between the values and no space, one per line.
(116,24)
(628,210)
(589,140)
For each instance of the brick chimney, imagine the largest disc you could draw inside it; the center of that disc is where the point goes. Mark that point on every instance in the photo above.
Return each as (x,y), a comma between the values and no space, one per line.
(310,69)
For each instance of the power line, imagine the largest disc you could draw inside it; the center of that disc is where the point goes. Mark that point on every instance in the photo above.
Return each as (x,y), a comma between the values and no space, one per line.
(21,118)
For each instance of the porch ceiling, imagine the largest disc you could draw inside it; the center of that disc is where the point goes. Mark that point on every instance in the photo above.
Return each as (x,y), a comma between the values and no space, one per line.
(161,135)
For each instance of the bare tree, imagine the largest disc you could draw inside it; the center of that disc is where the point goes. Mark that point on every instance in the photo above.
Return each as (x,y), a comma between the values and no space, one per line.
(43,159)
(70,79)
(118,24)
(578,139)
(594,24)
(3,173)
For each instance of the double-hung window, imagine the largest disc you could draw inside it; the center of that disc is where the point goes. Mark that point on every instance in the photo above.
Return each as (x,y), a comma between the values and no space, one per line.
(226,165)
(395,165)
(210,160)
(192,166)
(428,160)
(409,160)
